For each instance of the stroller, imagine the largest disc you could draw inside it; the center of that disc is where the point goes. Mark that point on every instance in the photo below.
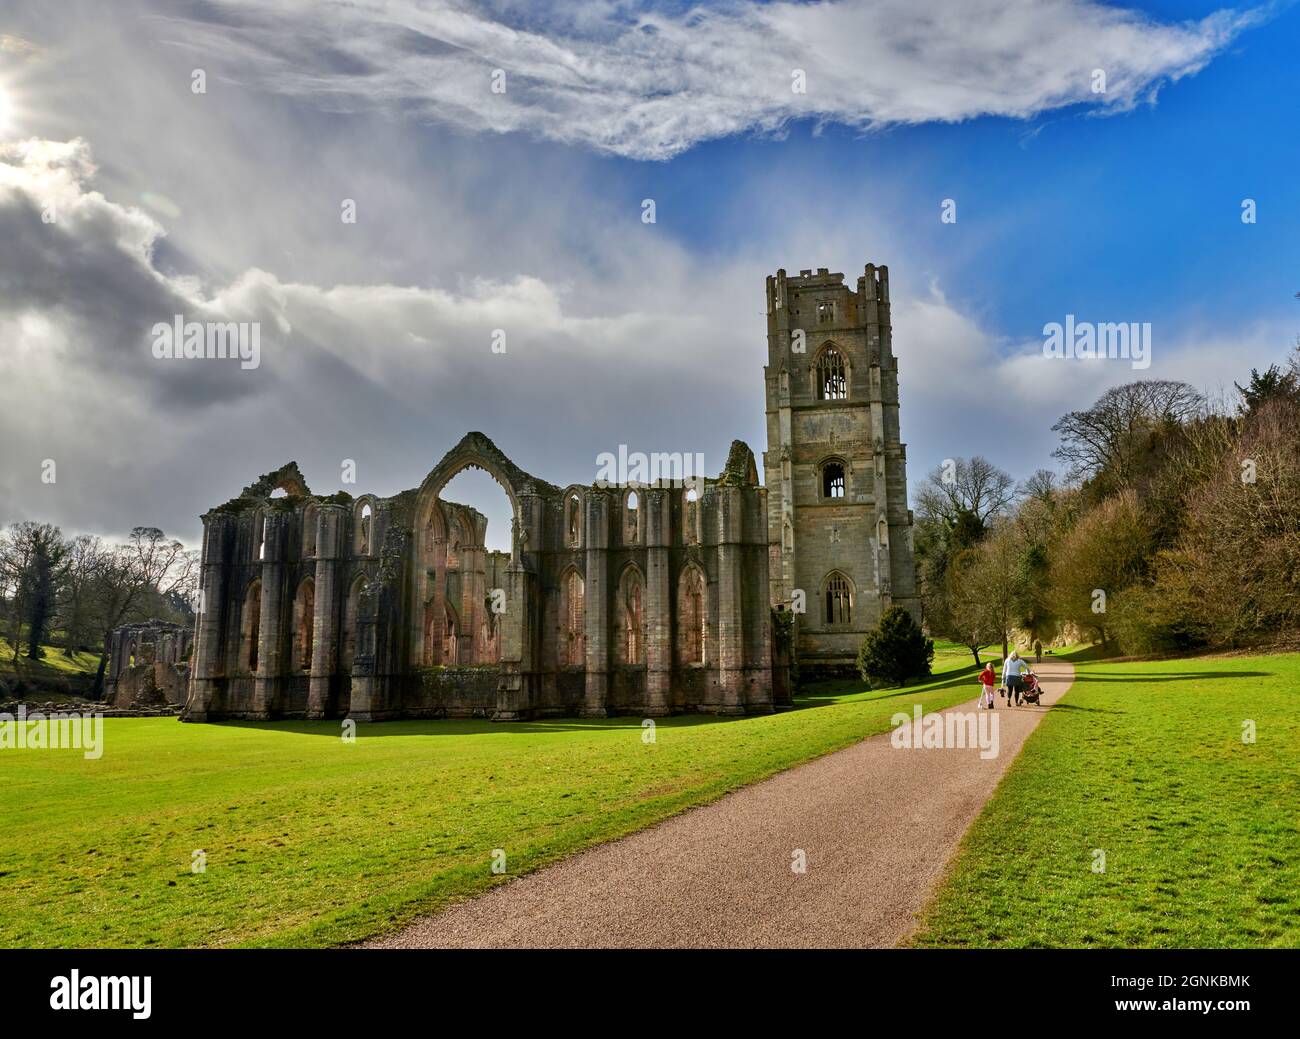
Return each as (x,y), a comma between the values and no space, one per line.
(1031,691)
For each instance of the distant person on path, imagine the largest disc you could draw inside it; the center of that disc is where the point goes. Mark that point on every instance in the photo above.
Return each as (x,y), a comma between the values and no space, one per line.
(988,679)
(1011,672)
(1038,651)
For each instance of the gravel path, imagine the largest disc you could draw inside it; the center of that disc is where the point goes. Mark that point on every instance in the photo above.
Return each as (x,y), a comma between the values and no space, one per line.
(877,826)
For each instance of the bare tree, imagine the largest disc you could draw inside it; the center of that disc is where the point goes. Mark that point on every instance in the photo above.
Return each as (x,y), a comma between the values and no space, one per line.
(77,599)
(974,485)
(1110,435)
(137,576)
(1041,486)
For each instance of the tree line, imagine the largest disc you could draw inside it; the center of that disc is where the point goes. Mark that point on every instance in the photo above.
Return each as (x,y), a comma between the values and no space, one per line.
(69,593)
(1174,528)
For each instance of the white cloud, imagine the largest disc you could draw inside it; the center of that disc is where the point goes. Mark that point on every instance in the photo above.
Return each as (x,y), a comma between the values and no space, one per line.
(389,375)
(649,85)
(663,354)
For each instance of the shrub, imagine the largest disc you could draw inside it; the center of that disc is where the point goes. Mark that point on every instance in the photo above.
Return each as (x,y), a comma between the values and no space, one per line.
(896,651)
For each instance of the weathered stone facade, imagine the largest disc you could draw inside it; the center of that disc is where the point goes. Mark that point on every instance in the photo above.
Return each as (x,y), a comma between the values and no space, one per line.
(148,663)
(835,469)
(611,600)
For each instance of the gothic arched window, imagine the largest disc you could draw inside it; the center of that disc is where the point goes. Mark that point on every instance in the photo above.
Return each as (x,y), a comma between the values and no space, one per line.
(692,615)
(631,618)
(691,517)
(631,519)
(351,610)
(833,484)
(839,600)
(304,616)
(252,624)
(573,522)
(832,376)
(573,646)
(365,518)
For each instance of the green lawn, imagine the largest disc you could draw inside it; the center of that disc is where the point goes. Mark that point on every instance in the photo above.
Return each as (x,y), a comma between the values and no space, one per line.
(1144,761)
(312,841)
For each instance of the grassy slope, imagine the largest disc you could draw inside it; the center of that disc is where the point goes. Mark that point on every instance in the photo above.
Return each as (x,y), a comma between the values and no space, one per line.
(313,841)
(1146,762)
(53,665)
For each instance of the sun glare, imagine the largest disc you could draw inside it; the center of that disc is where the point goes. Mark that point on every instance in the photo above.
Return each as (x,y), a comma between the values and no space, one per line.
(6,111)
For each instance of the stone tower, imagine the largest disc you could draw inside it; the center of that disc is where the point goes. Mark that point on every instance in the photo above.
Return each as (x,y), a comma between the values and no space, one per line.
(839,529)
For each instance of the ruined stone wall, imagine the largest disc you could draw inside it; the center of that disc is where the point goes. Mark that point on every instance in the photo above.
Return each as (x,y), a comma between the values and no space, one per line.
(148,663)
(387,608)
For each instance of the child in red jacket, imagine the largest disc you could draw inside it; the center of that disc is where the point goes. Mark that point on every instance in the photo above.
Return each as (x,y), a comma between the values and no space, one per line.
(988,679)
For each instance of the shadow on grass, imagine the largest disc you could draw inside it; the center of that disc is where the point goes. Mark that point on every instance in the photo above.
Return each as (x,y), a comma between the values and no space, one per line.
(1126,677)
(331,728)
(1062,705)
(814,695)
(839,690)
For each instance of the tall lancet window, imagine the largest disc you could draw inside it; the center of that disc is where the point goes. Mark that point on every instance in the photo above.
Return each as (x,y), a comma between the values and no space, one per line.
(839,600)
(632,642)
(573,643)
(692,615)
(832,377)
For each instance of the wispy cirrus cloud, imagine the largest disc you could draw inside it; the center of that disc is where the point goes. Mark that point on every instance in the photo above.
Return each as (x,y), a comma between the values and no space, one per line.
(635,81)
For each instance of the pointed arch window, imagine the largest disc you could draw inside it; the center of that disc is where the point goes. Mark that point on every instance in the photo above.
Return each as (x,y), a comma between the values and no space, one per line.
(691,516)
(304,618)
(692,616)
(631,618)
(251,626)
(833,482)
(351,610)
(631,519)
(365,529)
(838,600)
(573,521)
(832,375)
(573,642)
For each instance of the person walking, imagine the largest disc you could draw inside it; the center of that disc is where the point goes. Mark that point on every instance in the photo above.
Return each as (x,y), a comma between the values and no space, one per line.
(1038,651)
(1012,669)
(988,679)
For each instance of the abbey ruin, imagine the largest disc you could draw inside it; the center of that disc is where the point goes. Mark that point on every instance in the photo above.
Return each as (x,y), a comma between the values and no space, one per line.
(613,598)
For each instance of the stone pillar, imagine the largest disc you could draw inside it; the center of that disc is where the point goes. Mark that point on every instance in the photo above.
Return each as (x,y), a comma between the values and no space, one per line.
(331,524)
(731,640)
(211,615)
(514,684)
(657,529)
(361,702)
(596,539)
(114,666)
(270,634)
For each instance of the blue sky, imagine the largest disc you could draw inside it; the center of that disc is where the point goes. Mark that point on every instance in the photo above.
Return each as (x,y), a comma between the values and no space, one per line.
(522,211)
(1130,214)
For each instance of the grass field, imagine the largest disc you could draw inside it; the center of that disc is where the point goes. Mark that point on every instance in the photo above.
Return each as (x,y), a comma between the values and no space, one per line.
(311,841)
(1144,762)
